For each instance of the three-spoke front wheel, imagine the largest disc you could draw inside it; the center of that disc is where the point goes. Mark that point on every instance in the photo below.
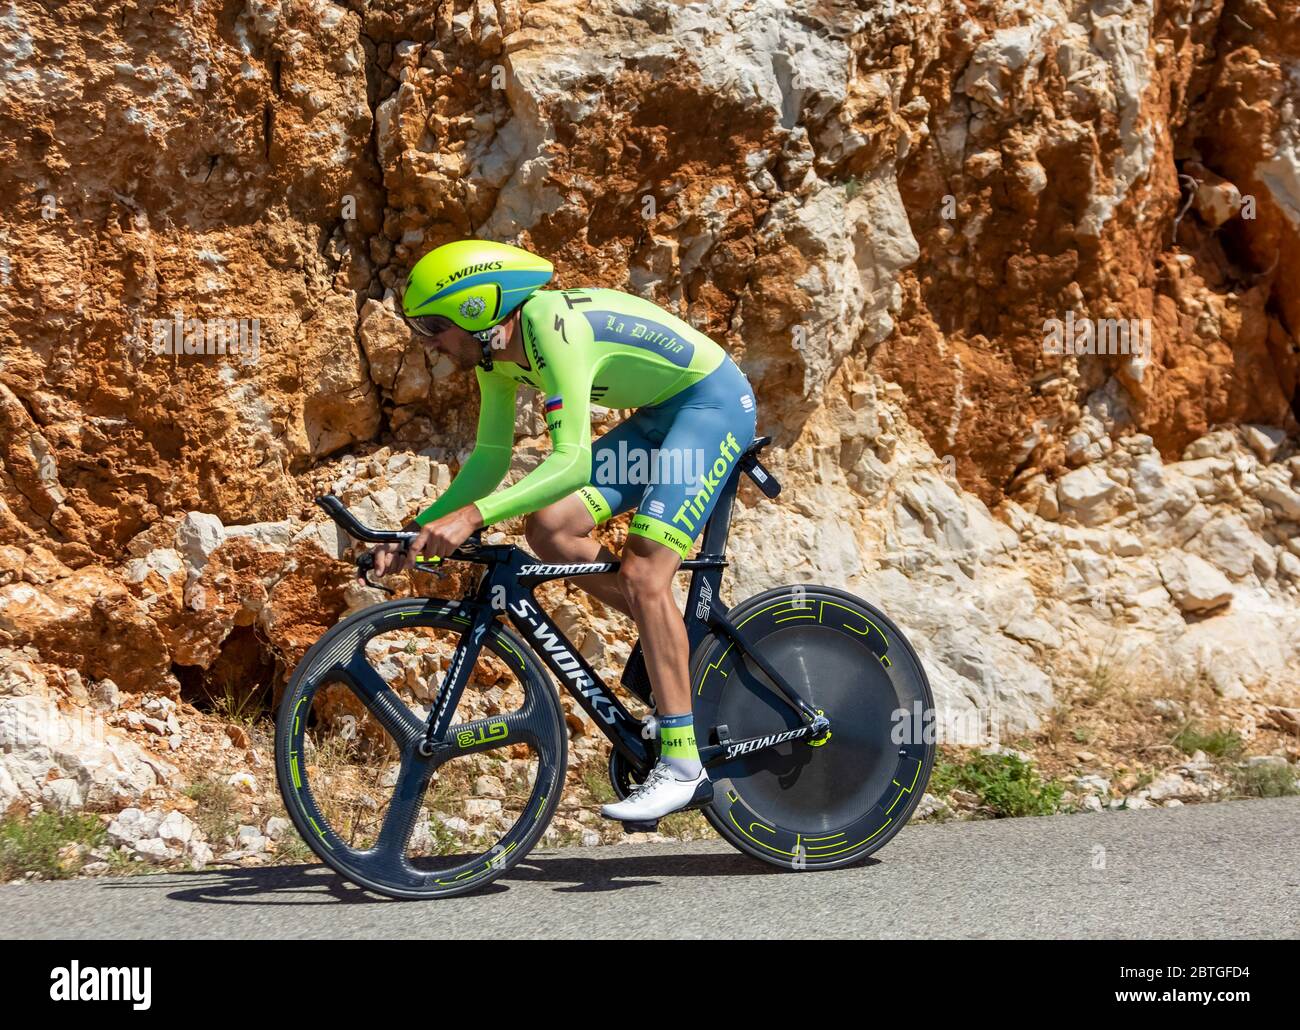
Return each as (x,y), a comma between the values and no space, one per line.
(353,778)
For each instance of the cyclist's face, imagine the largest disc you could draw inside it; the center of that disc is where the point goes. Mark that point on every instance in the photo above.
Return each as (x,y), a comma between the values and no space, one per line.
(443,337)
(457,345)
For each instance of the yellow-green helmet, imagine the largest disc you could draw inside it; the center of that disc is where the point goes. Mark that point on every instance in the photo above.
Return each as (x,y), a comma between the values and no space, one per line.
(471,283)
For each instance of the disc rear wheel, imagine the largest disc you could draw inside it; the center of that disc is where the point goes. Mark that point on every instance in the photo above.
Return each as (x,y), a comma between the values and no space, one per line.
(806,804)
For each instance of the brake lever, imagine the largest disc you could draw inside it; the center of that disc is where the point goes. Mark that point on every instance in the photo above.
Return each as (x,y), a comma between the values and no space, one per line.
(366,565)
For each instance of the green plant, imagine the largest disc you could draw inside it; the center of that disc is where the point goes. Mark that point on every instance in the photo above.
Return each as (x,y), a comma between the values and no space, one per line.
(1265,781)
(943,779)
(686,826)
(1220,743)
(595,781)
(292,848)
(215,813)
(238,705)
(32,845)
(1006,784)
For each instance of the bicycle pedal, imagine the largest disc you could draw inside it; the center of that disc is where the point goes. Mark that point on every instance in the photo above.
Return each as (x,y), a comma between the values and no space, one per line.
(640,825)
(703,798)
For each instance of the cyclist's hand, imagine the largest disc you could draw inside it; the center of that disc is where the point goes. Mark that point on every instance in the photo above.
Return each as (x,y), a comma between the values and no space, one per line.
(442,536)
(389,558)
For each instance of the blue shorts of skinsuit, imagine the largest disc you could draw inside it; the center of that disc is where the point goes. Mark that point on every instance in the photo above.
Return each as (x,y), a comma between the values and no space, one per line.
(669,461)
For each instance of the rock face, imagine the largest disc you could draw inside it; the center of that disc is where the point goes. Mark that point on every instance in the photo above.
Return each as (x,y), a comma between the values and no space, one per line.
(1015,286)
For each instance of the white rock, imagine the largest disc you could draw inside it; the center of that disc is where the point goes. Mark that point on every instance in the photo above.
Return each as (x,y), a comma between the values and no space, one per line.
(176,830)
(1092,784)
(325,537)
(1265,441)
(931,806)
(265,536)
(1275,490)
(276,827)
(250,839)
(199,853)
(62,795)
(165,561)
(1084,493)
(454,823)
(489,787)
(1194,584)
(197,536)
(244,781)
(480,808)
(40,743)
(134,824)
(1168,785)
(1036,630)
(154,849)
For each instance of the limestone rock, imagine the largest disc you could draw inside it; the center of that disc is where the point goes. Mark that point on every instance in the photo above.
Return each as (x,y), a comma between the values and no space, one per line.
(1194,584)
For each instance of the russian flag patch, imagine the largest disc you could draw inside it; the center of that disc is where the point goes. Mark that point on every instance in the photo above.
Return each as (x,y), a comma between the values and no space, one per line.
(554,404)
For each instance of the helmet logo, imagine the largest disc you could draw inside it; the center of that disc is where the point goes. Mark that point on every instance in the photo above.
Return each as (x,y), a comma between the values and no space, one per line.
(472,307)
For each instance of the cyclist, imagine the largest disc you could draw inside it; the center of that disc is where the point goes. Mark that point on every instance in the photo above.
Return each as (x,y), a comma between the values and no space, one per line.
(481,303)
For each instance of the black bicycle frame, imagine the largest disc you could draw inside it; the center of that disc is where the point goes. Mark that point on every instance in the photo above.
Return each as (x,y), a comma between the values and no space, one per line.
(507,588)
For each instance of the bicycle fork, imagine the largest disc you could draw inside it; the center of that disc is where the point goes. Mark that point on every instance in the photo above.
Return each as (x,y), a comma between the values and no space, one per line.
(453,684)
(816,725)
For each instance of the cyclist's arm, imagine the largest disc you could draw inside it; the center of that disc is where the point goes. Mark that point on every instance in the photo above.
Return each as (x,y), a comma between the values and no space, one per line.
(489,462)
(566,376)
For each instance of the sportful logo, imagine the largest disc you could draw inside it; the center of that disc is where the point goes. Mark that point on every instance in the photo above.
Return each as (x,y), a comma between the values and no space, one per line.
(96,983)
(747,402)
(747,746)
(565,661)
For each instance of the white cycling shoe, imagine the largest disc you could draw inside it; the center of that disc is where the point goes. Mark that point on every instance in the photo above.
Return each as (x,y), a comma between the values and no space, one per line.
(661,793)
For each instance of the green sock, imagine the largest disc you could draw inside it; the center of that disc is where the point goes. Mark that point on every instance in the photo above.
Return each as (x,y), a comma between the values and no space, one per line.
(677,745)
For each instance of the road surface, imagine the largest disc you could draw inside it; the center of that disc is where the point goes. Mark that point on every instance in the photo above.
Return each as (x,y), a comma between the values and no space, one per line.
(1204,871)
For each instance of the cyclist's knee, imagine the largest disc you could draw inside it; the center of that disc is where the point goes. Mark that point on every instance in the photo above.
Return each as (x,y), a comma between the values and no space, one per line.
(643,579)
(541,535)
(549,531)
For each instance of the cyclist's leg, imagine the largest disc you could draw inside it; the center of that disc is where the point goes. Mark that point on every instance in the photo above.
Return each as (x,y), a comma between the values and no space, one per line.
(712,425)
(646,580)
(561,532)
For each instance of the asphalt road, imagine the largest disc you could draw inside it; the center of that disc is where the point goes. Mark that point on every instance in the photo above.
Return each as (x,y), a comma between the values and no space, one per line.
(1226,870)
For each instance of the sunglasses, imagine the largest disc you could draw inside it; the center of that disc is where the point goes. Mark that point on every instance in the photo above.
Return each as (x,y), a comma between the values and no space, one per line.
(428,325)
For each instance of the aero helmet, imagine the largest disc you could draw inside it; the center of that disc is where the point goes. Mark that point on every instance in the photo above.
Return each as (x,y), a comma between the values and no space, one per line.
(474,284)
